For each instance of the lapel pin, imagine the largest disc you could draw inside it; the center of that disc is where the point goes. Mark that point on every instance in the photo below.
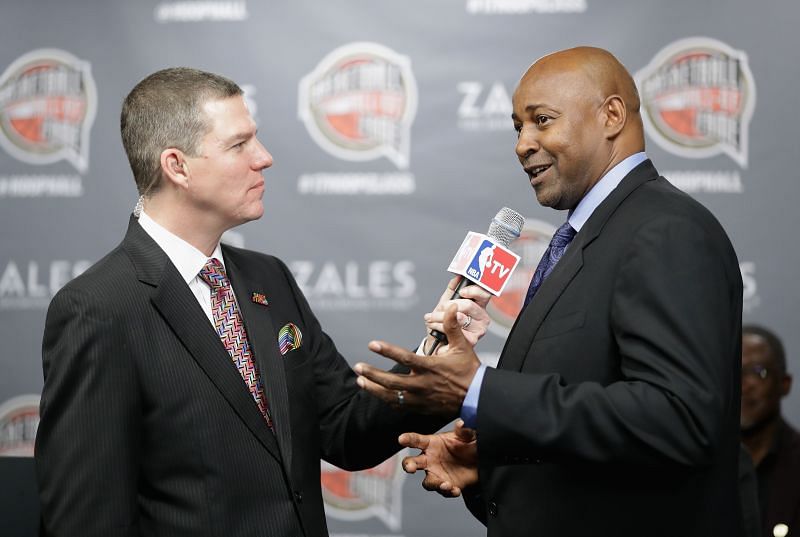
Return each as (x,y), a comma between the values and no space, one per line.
(259,298)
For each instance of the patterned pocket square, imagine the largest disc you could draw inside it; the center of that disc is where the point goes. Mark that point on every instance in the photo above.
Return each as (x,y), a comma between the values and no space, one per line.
(289,338)
(259,298)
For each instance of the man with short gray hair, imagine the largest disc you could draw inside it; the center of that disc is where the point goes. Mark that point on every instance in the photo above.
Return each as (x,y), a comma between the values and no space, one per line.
(188,387)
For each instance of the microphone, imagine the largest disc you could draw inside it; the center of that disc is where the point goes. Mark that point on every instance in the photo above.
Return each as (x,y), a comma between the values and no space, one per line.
(477,251)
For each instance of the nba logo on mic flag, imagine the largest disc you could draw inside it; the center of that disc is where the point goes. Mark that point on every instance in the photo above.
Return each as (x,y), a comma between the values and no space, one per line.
(484,262)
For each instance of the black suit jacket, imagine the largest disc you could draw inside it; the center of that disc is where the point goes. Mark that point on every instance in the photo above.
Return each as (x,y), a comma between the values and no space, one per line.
(147,428)
(614,410)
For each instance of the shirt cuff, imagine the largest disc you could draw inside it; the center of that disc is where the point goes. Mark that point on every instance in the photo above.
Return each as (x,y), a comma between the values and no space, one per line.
(469,408)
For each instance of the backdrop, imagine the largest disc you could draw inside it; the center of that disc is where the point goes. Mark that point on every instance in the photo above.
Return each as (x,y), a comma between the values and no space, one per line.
(389,125)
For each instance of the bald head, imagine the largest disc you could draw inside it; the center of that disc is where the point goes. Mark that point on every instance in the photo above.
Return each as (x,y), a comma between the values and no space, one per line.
(599,75)
(576,113)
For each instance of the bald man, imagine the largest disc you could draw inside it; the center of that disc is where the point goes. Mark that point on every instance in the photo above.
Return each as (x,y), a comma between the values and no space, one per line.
(614,408)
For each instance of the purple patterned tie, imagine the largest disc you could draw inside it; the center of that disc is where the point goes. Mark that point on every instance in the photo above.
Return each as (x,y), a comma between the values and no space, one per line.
(554,251)
(229,325)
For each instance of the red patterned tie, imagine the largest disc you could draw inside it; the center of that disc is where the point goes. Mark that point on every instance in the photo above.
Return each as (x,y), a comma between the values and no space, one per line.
(229,325)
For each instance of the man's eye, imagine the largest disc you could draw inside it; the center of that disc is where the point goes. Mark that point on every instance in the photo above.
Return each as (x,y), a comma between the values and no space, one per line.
(542,119)
(239,145)
(517,129)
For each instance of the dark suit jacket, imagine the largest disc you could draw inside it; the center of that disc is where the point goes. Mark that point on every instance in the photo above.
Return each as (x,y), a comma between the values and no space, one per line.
(614,410)
(147,428)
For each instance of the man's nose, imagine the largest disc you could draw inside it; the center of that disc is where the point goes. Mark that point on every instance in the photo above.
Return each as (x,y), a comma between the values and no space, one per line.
(527,142)
(263,158)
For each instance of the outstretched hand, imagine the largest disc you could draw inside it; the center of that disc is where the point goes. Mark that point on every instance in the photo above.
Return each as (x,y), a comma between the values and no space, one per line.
(450,460)
(436,385)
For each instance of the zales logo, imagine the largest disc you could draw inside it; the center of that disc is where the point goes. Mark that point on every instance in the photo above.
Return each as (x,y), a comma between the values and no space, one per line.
(359,102)
(480,110)
(380,285)
(698,96)
(48,102)
(30,286)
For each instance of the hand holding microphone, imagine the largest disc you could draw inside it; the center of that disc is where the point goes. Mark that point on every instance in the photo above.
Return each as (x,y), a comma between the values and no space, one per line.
(484,260)
(471,316)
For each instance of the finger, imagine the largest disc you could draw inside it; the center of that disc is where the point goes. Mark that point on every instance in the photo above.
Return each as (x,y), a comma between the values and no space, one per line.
(448,292)
(393,352)
(452,285)
(477,294)
(414,440)
(465,308)
(432,481)
(454,492)
(445,488)
(473,332)
(455,337)
(390,381)
(387,395)
(463,433)
(414,463)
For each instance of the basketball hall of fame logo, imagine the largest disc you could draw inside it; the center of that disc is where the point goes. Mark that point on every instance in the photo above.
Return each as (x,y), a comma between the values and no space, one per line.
(377,492)
(530,246)
(48,102)
(698,96)
(19,421)
(359,102)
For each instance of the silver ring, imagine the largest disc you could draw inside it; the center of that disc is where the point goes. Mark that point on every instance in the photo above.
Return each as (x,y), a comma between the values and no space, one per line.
(400,398)
(467,322)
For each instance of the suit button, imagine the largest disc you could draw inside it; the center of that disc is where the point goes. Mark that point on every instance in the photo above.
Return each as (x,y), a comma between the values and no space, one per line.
(298,496)
(492,508)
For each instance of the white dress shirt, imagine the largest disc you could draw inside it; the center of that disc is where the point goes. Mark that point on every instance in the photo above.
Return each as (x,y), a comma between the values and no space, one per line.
(186,258)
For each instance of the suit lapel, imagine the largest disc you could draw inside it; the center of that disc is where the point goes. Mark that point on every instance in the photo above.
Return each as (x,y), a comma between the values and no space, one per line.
(176,303)
(531,317)
(264,341)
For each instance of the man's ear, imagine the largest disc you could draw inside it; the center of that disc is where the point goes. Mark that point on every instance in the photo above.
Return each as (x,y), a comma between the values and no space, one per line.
(174,167)
(786,384)
(614,115)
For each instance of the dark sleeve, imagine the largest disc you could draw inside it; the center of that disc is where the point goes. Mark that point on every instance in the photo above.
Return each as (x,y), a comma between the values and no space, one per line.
(357,430)
(86,445)
(473,499)
(675,317)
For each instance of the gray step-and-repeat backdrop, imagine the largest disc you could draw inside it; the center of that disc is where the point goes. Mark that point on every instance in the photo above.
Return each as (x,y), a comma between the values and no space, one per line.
(389,125)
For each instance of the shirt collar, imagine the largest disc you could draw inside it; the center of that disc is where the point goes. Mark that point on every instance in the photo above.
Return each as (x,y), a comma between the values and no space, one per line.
(602,189)
(186,258)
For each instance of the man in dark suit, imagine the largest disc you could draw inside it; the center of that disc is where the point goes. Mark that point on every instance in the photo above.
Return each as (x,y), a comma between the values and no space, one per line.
(614,407)
(189,390)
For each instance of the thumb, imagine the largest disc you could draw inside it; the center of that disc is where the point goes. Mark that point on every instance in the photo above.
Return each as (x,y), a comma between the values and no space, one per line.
(463,433)
(455,337)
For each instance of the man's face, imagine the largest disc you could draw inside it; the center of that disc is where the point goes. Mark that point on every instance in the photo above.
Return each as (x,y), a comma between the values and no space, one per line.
(226,184)
(561,143)
(763,383)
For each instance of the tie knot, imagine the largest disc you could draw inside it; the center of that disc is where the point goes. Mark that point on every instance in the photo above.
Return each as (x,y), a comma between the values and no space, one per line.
(213,273)
(563,236)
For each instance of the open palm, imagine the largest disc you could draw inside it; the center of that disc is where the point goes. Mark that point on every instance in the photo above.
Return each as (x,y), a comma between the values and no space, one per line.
(450,460)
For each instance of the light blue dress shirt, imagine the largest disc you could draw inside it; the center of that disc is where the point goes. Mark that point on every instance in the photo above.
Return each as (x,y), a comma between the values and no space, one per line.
(577,218)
